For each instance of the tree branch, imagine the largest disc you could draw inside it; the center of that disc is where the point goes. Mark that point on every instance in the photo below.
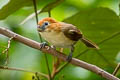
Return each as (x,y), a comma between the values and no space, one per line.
(7,50)
(116,69)
(60,55)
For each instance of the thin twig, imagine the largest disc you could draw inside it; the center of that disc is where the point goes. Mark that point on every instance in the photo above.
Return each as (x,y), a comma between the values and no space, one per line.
(7,50)
(8,46)
(60,69)
(62,56)
(18,69)
(35,8)
(46,60)
(49,13)
(47,8)
(116,69)
(56,65)
(36,15)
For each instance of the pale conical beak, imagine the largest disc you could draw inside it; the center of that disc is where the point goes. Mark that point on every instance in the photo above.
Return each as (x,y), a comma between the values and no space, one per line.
(39,28)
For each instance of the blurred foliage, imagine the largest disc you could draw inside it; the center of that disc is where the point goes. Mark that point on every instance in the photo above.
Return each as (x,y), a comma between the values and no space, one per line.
(97,27)
(97,19)
(12,6)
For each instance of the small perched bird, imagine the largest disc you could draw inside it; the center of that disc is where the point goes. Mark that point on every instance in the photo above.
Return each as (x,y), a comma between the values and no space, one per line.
(62,35)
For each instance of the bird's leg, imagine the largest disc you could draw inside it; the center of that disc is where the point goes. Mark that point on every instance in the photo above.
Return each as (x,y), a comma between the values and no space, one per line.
(43,44)
(69,58)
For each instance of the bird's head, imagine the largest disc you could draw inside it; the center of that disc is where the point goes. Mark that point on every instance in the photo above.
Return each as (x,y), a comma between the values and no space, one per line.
(45,24)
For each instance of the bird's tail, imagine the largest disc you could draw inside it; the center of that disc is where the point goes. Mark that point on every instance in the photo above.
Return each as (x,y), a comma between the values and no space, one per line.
(89,43)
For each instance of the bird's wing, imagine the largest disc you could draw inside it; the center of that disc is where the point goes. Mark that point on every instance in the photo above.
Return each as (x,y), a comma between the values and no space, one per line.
(71,32)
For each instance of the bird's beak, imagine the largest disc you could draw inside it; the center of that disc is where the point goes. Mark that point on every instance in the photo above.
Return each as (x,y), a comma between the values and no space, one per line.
(39,28)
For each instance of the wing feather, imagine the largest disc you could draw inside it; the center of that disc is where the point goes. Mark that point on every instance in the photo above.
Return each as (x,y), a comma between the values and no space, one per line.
(71,32)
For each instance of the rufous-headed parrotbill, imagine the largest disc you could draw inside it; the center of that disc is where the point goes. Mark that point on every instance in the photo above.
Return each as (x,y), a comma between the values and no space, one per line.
(63,35)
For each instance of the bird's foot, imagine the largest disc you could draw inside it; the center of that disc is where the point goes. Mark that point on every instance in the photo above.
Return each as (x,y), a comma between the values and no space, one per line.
(43,44)
(69,57)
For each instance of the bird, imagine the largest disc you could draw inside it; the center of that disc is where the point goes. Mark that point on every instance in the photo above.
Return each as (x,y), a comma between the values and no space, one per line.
(62,35)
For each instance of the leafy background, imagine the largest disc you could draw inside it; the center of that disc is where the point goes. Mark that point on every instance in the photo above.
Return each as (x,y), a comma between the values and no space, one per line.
(97,19)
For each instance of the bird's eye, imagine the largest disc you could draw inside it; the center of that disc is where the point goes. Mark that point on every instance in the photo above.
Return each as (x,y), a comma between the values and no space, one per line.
(46,23)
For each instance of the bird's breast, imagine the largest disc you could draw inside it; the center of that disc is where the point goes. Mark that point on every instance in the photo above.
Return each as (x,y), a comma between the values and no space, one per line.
(57,39)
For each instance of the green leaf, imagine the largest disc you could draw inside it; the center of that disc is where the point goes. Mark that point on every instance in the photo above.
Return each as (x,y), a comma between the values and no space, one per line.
(102,26)
(12,6)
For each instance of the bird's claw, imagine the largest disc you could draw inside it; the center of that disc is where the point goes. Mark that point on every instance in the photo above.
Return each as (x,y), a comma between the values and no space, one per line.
(69,58)
(43,44)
